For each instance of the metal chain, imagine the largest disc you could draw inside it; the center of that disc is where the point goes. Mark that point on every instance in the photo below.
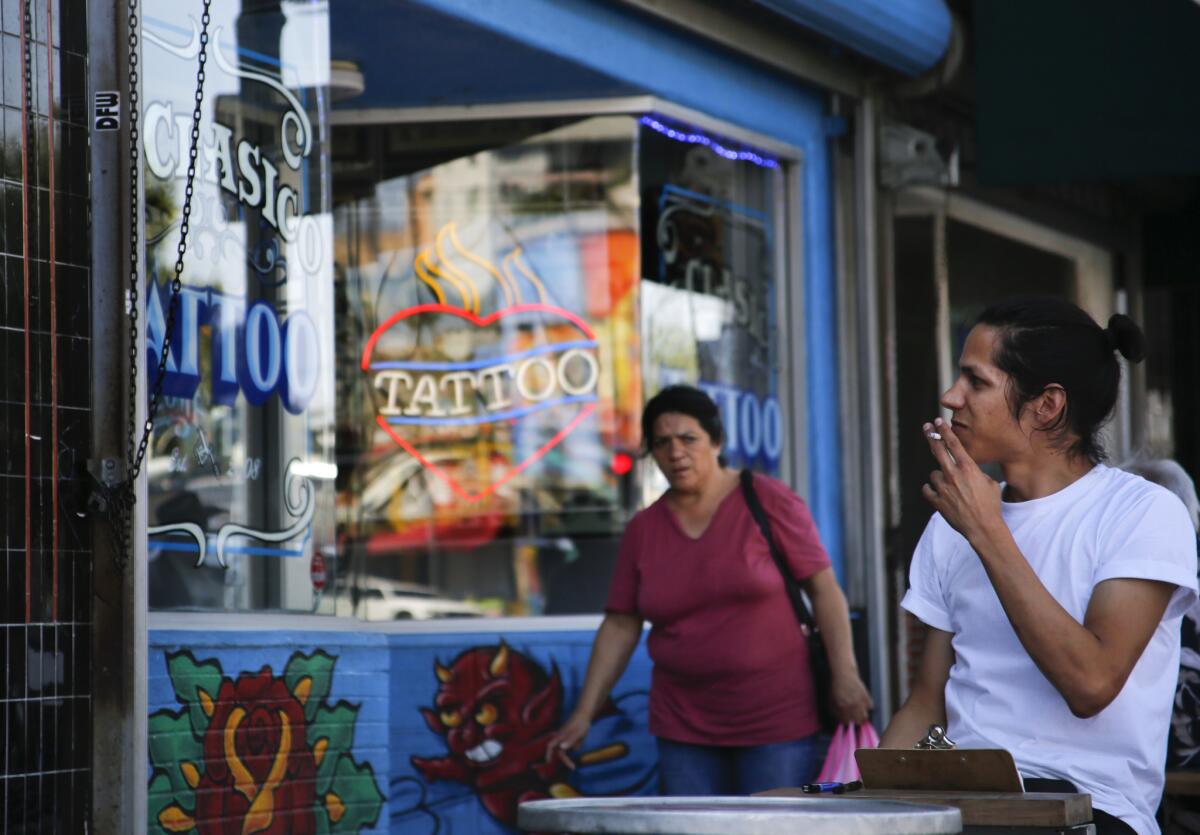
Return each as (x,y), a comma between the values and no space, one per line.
(135,207)
(135,463)
(120,498)
(28,58)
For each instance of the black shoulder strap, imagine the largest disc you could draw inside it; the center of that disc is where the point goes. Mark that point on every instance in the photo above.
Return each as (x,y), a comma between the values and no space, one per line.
(760,516)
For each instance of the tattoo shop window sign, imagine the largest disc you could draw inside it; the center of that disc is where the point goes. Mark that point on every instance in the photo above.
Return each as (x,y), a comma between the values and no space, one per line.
(106,112)
(254,350)
(416,387)
(753,424)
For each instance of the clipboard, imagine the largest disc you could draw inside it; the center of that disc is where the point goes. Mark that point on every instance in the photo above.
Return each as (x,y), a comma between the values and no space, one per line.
(955,769)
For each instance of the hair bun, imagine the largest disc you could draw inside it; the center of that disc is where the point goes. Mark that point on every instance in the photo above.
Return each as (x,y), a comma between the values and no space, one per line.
(1125,336)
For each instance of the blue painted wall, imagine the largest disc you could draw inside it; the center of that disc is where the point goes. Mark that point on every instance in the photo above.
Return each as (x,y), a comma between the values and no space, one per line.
(821,341)
(398,772)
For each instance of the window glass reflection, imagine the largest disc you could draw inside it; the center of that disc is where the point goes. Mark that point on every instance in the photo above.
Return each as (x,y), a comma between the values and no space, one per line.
(490,373)
(709,293)
(240,463)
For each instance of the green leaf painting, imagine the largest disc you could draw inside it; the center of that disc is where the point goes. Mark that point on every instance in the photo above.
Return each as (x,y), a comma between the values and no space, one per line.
(173,746)
(196,687)
(331,736)
(354,786)
(309,678)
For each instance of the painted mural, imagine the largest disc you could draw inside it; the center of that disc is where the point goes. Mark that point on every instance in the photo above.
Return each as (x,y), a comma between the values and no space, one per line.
(475,722)
(434,733)
(258,753)
(496,709)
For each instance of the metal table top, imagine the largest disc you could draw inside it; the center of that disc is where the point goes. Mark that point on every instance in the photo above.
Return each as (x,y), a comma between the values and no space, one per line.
(742,815)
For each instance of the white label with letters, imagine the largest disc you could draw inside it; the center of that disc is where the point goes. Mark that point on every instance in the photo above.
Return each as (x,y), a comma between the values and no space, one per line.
(107,110)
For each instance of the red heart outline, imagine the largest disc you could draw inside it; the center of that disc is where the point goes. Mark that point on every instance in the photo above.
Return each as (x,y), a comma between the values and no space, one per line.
(481,322)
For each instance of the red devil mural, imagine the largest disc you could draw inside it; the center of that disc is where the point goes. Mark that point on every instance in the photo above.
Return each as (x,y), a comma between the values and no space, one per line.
(497,709)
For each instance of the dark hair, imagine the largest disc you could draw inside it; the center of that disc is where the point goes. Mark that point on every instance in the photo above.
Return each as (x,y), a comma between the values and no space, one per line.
(683,400)
(1046,341)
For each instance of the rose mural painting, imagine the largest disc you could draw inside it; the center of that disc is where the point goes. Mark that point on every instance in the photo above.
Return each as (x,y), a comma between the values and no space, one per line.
(258,753)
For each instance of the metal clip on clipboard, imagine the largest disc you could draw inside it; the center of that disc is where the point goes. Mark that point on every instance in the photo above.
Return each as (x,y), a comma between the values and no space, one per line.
(936,765)
(935,740)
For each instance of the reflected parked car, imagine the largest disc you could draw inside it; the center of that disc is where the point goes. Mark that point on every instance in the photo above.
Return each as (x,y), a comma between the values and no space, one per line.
(382,599)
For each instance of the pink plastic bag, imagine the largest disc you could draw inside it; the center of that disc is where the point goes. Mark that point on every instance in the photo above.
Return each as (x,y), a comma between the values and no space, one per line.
(840,766)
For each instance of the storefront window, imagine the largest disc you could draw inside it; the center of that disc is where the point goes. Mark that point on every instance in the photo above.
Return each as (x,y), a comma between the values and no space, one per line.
(240,463)
(709,290)
(409,358)
(489,377)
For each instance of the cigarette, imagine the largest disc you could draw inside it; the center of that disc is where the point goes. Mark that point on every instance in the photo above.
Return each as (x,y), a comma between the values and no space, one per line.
(608,752)
(935,436)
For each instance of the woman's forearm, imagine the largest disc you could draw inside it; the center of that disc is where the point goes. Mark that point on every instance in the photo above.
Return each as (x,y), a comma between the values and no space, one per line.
(832,614)
(850,700)
(615,642)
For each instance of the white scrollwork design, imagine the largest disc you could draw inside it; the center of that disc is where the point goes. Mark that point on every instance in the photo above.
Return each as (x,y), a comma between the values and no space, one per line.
(187,51)
(302,507)
(298,117)
(213,240)
(296,121)
(667,235)
(191,529)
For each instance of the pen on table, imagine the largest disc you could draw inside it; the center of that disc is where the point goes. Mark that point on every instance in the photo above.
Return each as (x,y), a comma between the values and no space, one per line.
(853,785)
(814,788)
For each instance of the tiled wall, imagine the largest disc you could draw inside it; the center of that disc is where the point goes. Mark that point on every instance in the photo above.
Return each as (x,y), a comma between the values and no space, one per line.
(45,593)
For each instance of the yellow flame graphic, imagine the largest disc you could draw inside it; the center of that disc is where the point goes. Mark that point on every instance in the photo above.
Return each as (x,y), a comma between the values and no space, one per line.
(418,265)
(425,260)
(514,259)
(452,273)
(479,262)
(435,274)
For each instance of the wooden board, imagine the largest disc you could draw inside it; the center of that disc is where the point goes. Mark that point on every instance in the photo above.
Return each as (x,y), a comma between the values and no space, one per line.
(984,808)
(958,769)
(1181,782)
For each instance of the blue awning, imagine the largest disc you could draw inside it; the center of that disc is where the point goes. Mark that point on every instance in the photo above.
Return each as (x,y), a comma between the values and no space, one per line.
(423,53)
(906,35)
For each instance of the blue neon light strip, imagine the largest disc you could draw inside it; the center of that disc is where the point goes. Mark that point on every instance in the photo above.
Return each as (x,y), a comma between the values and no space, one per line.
(483,363)
(733,208)
(693,138)
(475,420)
(193,548)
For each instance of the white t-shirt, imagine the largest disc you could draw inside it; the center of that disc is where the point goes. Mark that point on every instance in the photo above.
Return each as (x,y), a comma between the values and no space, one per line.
(1105,525)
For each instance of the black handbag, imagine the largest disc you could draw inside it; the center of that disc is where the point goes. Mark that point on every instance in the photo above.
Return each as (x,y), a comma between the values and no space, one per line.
(818,659)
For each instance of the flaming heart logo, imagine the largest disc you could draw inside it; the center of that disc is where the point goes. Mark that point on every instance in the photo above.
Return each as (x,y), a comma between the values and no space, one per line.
(437,369)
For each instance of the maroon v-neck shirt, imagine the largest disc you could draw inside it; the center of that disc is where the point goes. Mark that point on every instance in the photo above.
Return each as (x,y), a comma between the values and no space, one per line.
(730,662)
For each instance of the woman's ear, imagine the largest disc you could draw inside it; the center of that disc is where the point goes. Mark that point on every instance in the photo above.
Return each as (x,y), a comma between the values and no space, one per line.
(1050,405)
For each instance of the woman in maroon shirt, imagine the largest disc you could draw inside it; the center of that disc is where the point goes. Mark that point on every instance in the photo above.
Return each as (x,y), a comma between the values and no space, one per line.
(731,695)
